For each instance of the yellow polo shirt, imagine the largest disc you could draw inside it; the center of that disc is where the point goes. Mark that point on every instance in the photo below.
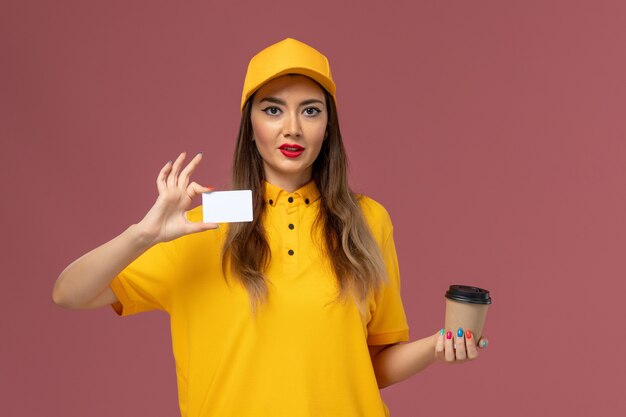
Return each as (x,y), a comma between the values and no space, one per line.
(303,354)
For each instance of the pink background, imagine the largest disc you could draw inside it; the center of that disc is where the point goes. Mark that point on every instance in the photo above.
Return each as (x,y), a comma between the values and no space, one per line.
(493,132)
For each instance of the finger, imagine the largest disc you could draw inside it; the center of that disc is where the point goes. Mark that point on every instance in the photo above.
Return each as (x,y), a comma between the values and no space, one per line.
(470,344)
(483,343)
(183,178)
(196,227)
(449,347)
(194,189)
(161,178)
(459,345)
(439,353)
(172,178)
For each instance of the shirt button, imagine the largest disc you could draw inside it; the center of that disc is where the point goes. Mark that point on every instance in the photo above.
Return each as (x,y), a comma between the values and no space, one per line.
(290,252)
(291,226)
(306,201)
(290,199)
(271,201)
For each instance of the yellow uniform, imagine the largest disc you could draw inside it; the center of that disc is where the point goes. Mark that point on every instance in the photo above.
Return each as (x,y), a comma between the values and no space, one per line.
(303,354)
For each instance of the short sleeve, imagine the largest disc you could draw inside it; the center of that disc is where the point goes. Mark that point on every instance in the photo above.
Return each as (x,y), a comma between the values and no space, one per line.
(146,284)
(388,323)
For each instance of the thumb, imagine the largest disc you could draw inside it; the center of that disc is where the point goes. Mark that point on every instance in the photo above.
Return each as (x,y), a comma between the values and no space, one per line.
(439,348)
(196,227)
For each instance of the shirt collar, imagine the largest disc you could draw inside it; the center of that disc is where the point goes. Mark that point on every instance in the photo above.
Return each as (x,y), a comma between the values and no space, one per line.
(308,193)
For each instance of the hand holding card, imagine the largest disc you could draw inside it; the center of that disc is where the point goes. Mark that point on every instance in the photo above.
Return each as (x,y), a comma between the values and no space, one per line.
(227,206)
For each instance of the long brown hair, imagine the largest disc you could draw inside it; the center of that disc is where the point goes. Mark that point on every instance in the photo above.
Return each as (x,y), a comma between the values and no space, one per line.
(353,252)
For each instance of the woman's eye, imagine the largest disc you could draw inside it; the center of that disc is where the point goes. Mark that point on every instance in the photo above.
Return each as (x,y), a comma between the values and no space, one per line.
(312,111)
(272,111)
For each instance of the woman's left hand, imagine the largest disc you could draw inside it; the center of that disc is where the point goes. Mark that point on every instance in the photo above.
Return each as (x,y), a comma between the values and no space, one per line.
(457,346)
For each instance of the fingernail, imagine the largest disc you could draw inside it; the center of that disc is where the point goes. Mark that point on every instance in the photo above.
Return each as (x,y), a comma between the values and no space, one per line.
(442,331)
(459,333)
(449,335)
(483,343)
(199,153)
(468,335)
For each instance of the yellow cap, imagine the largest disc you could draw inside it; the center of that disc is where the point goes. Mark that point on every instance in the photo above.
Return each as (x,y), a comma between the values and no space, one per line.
(288,56)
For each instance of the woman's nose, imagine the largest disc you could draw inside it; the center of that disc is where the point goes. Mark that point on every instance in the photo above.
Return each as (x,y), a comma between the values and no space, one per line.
(291,126)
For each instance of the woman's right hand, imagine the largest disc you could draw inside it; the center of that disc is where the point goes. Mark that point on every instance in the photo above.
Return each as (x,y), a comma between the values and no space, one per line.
(167,218)
(85,283)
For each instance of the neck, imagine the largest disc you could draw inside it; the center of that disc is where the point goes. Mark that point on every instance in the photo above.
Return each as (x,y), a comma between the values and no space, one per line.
(289,183)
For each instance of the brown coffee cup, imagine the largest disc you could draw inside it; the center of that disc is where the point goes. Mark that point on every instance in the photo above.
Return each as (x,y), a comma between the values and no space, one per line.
(466,308)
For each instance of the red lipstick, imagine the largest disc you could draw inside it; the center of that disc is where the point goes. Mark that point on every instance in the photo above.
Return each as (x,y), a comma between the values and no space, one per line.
(291,150)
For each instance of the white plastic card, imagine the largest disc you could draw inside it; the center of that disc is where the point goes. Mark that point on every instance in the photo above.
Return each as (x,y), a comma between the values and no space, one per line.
(227,206)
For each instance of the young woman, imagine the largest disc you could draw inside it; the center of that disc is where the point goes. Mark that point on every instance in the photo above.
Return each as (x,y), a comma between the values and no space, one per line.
(297,313)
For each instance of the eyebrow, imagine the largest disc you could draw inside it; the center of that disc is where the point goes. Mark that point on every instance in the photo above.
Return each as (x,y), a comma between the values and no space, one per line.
(284,103)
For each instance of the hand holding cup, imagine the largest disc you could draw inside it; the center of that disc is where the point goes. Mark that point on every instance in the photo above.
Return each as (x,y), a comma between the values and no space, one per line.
(458,346)
(466,311)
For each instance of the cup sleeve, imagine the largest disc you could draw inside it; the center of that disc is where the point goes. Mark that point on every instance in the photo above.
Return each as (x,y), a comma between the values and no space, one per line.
(388,323)
(147,283)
